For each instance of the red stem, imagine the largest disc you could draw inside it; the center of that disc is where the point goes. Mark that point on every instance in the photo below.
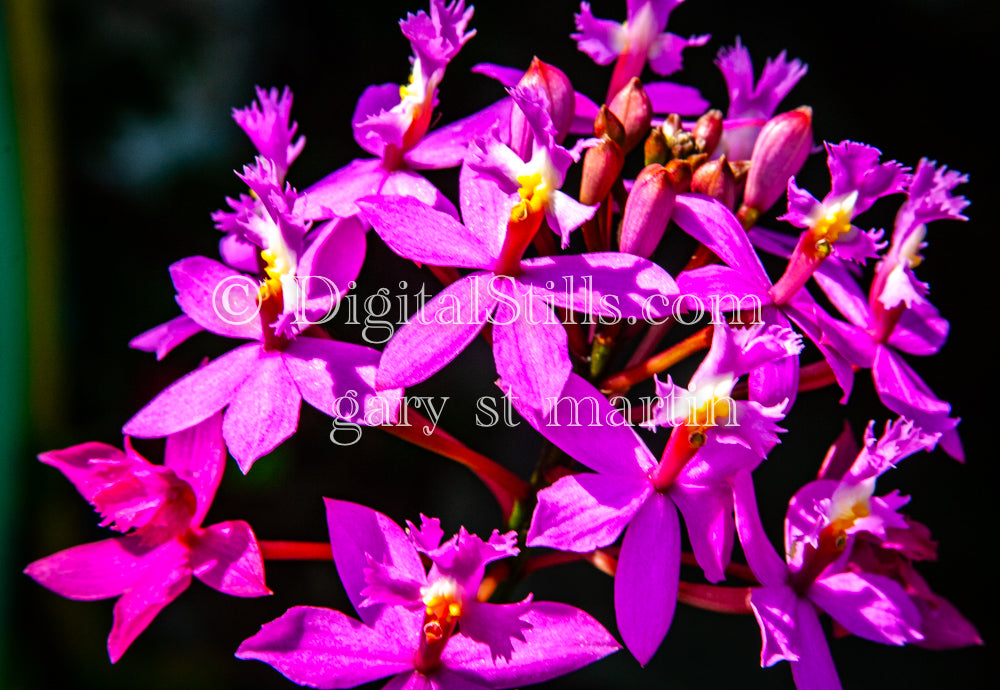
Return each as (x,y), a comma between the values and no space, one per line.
(295,550)
(734,600)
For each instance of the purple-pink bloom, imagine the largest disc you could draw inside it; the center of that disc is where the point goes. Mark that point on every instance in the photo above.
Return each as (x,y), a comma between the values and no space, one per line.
(847,504)
(391,122)
(629,491)
(640,38)
(751,105)
(857,180)
(268,123)
(263,383)
(160,509)
(538,180)
(928,198)
(866,604)
(426,629)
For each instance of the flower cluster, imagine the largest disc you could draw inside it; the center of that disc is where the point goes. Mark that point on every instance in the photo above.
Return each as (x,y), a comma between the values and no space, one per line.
(573,294)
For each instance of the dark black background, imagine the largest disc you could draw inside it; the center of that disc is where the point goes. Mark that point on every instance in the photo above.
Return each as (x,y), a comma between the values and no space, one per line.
(143,94)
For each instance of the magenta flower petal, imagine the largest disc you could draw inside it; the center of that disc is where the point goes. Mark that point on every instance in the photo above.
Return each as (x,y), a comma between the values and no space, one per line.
(329,264)
(97,570)
(814,670)
(446,146)
(565,214)
(607,284)
(196,396)
(165,337)
(167,575)
(437,333)
(415,680)
(856,167)
(715,226)
(774,608)
(921,330)
(529,345)
(485,210)
(410,184)
(708,516)
(497,625)
(374,100)
(601,39)
(561,639)
(198,456)
(720,288)
(583,512)
(326,649)
(226,557)
(581,406)
(905,393)
(359,534)
(801,205)
(763,560)
(870,606)
(665,54)
(267,121)
(216,297)
(238,252)
(776,382)
(340,189)
(264,411)
(416,231)
(747,100)
(646,580)
(82,465)
(330,374)
(668,97)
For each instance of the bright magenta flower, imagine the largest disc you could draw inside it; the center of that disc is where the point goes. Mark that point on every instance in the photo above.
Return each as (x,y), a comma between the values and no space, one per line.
(160,508)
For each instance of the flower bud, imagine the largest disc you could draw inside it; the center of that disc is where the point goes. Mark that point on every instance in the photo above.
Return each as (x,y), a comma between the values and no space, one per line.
(647,211)
(632,107)
(606,124)
(680,141)
(780,151)
(602,164)
(680,175)
(555,86)
(655,148)
(707,131)
(716,179)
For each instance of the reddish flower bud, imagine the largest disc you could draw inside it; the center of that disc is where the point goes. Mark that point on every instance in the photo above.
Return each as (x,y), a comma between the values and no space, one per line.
(707,131)
(606,124)
(647,211)
(716,179)
(632,107)
(557,89)
(780,151)
(602,164)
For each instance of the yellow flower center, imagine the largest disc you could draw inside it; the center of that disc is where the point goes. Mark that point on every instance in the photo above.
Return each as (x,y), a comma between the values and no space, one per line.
(442,601)
(277,266)
(534,193)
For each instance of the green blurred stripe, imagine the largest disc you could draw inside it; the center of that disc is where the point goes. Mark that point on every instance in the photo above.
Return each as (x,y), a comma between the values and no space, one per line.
(13,343)
(30,365)
(31,55)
